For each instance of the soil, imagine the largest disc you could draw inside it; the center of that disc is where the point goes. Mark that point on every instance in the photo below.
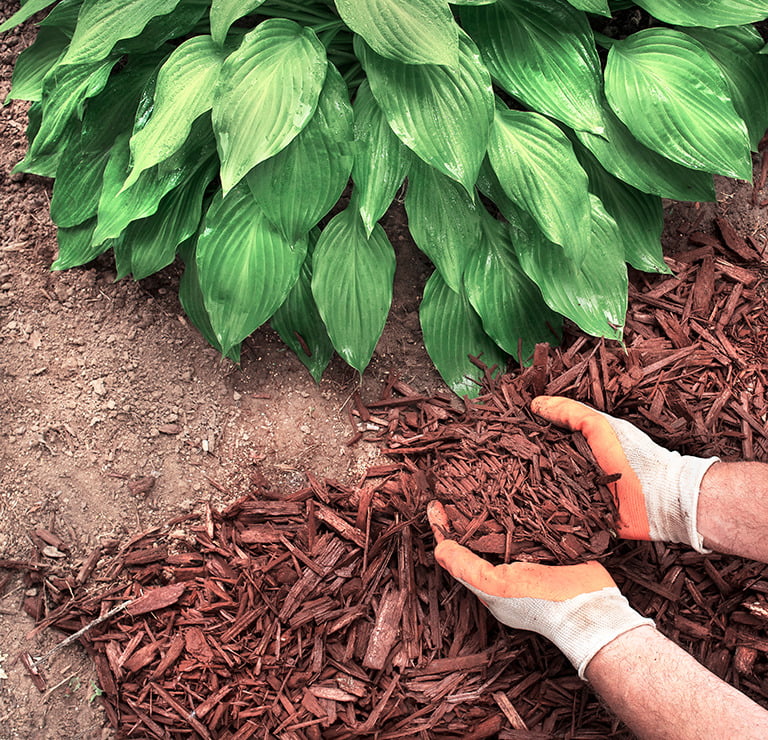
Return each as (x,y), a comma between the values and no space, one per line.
(104,385)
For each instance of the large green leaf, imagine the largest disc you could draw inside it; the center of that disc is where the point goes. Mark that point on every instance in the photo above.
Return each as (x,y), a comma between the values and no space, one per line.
(150,243)
(409,31)
(24,13)
(35,62)
(634,163)
(538,170)
(300,184)
(639,216)
(352,285)
(543,53)
(708,13)
(443,114)
(672,96)
(592,294)
(300,326)
(381,159)
(452,331)
(268,91)
(509,303)
(102,23)
(443,221)
(600,7)
(107,116)
(225,12)
(186,18)
(736,51)
(183,92)
(246,266)
(76,247)
(65,90)
(47,163)
(191,299)
(63,17)
(118,206)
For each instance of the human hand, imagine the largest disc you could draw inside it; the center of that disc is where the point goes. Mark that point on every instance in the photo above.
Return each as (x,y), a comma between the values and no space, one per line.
(577,607)
(658,492)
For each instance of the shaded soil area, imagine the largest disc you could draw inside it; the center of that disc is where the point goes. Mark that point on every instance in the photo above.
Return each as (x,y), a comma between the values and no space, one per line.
(116,418)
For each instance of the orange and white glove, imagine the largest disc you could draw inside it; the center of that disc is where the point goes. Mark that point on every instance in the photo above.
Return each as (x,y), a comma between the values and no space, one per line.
(658,492)
(577,607)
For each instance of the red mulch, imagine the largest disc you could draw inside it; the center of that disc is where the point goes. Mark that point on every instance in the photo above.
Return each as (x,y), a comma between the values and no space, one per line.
(322,614)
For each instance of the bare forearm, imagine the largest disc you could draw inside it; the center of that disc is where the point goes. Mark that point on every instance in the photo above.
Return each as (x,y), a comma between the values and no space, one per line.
(659,691)
(733,509)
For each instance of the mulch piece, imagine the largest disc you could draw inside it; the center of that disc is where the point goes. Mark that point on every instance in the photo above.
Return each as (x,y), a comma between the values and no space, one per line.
(322,613)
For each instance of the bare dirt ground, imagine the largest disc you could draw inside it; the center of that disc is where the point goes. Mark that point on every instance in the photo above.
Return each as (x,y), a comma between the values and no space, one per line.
(103,384)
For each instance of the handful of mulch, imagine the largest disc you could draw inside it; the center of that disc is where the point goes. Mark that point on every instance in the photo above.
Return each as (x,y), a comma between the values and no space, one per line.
(514,487)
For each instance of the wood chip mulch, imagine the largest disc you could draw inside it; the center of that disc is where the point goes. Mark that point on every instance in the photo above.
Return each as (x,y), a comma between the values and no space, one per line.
(322,614)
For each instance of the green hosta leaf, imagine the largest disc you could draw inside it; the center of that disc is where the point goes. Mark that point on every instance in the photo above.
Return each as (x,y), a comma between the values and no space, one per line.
(24,13)
(267,93)
(225,12)
(409,31)
(352,285)
(488,184)
(443,221)
(76,248)
(186,18)
(35,62)
(300,184)
(592,294)
(184,91)
(63,17)
(65,90)
(538,170)
(102,23)
(509,303)
(247,267)
(119,206)
(629,160)
(708,13)
(672,96)
(472,2)
(639,216)
(191,299)
(736,52)
(381,159)
(600,7)
(543,53)
(453,331)
(77,189)
(151,243)
(442,114)
(299,325)
(44,164)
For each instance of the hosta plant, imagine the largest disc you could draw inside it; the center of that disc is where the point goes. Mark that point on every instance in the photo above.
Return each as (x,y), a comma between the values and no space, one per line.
(261,141)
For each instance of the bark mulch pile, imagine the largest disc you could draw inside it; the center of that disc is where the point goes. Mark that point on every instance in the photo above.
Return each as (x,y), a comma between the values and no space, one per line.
(322,614)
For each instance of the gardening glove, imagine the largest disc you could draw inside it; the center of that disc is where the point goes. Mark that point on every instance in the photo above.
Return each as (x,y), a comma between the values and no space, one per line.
(577,607)
(658,492)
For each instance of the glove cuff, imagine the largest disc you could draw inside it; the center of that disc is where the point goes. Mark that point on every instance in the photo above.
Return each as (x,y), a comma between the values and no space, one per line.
(672,516)
(590,621)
